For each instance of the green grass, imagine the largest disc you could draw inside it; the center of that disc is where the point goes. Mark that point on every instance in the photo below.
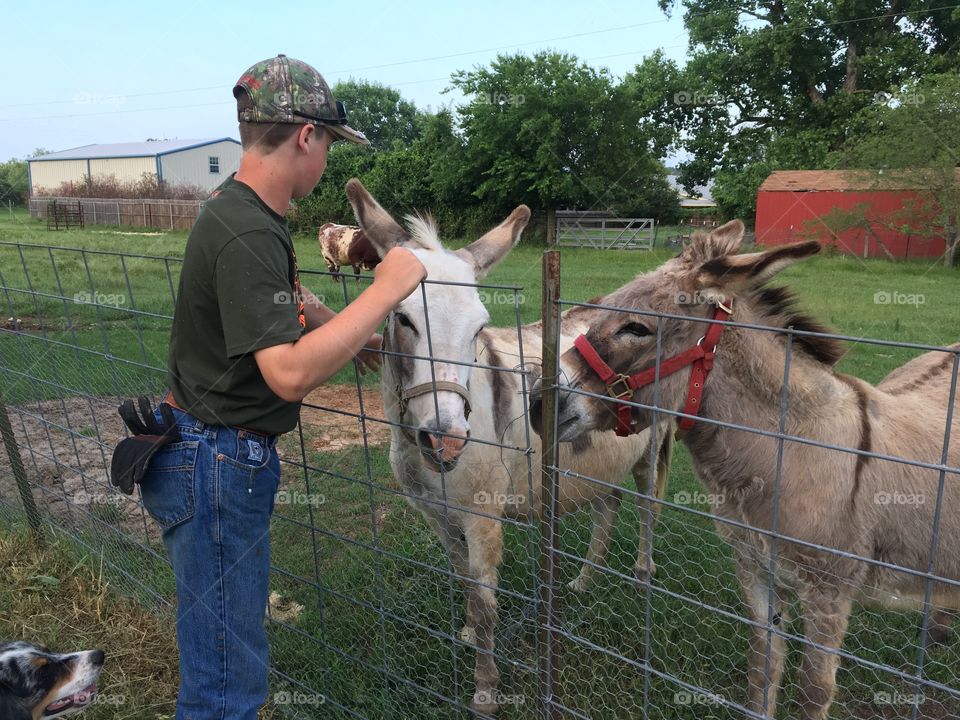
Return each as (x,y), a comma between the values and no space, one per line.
(368,543)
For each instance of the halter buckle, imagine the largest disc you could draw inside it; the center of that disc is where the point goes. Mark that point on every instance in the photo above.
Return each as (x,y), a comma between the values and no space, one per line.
(627,390)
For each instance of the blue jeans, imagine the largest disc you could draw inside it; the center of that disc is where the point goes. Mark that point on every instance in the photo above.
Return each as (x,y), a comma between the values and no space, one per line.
(212,495)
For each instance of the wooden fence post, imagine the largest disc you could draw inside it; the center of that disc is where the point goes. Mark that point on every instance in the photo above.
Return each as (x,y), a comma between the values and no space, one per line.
(20,475)
(549,520)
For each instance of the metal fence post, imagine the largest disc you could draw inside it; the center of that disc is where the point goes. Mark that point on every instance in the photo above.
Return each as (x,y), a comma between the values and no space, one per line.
(548,482)
(20,474)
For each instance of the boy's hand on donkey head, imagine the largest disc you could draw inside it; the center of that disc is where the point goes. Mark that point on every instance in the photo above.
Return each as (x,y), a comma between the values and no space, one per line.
(400,269)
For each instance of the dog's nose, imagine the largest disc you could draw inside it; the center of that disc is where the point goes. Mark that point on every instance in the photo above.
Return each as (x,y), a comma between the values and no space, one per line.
(98,657)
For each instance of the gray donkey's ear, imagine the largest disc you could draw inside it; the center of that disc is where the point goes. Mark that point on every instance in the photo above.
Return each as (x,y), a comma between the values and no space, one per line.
(729,273)
(384,232)
(724,240)
(486,252)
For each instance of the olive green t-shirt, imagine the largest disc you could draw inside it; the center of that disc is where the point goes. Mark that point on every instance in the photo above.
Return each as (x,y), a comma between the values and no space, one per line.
(238,294)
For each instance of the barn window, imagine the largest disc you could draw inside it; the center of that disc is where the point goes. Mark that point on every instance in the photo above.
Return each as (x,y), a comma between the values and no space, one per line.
(215,164)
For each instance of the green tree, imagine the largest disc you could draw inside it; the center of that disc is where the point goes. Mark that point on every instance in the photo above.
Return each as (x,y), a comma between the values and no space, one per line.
(551,131)
(14,182)
(379,112)
(776,83)
(912,132)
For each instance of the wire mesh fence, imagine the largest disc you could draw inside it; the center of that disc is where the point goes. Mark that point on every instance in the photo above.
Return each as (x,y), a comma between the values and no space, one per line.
(433,558)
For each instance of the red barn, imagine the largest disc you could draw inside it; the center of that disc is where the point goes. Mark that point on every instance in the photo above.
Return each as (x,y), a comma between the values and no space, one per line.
(860,212)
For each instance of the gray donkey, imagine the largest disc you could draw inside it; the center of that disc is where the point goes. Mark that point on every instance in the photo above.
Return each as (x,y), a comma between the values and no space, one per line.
(829,498)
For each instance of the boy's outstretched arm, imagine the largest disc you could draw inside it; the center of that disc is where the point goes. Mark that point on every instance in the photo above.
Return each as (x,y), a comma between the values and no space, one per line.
(292,370)
(317,314)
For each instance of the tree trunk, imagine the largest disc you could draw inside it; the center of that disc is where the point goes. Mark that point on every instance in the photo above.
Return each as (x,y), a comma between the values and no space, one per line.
(952,237)
(551,225)
(850,80)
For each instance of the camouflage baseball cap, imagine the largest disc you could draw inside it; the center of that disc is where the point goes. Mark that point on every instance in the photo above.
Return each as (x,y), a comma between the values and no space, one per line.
(290,91)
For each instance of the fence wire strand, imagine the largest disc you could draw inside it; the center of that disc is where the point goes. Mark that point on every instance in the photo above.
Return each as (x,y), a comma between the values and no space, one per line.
(401,589)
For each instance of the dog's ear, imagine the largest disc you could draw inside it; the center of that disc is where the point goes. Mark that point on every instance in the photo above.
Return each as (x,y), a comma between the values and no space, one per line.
(13,682)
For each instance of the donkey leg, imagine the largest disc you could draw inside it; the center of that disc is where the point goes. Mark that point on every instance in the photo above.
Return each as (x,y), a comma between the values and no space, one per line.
(604,511)
(939,629)
(763,676)
(826,612)
(645,568)
(455,544)
(484,538)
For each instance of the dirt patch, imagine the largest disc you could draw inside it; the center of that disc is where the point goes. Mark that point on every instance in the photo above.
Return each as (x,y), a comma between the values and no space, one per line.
(66,446)
(331,412)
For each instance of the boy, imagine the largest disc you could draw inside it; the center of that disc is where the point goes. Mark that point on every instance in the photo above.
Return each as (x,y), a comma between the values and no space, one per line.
(247,345)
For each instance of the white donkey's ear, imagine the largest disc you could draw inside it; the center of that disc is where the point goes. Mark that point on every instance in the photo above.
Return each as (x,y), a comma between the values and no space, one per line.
(486,252)
(384,232)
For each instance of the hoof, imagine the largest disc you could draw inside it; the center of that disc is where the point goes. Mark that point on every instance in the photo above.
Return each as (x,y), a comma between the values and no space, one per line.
(579,584)
(468,635)
(939,635)
(484,702)
(644,574)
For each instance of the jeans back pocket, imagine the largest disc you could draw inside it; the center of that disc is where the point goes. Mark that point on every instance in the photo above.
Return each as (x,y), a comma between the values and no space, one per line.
(167,488)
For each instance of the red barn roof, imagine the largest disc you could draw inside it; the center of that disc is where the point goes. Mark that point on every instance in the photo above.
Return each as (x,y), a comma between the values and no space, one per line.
(843,180)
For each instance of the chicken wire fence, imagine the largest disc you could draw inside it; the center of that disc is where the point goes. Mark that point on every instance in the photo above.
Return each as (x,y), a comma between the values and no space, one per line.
(458,590)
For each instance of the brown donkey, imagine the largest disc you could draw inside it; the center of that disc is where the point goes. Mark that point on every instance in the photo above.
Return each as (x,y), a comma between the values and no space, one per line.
(828,498)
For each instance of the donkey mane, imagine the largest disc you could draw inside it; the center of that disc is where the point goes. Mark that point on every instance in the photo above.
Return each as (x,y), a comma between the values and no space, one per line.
(423,230)
(778,305)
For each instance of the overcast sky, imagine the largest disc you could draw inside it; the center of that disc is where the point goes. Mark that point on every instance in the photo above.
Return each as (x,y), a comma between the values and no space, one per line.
(127,71)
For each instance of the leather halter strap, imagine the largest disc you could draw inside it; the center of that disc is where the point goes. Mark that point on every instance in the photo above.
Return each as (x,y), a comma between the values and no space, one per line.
(404,395)
(621,387)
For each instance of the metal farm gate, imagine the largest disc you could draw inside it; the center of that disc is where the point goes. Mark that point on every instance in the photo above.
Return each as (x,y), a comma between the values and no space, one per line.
(585,230)
(378,605)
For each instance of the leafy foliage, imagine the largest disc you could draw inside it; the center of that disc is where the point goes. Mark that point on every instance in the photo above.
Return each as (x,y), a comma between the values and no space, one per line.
(778,83)
(547,130)
(14,182)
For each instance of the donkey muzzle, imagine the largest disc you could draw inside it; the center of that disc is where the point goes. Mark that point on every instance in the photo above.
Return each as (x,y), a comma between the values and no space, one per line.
(441,450)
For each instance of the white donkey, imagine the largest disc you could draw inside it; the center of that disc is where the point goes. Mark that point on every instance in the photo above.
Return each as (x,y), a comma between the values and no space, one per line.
(463,488)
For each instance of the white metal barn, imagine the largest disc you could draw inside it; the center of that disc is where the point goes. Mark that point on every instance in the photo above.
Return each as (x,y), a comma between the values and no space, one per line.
(205,163)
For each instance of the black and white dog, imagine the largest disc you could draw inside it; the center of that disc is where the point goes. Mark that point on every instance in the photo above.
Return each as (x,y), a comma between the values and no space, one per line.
(36,684)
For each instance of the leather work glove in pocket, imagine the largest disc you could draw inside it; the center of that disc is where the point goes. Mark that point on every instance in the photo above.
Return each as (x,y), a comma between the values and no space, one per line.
(131,457)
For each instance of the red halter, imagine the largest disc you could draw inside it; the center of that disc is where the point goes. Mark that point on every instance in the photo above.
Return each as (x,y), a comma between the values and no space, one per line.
(621,387)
